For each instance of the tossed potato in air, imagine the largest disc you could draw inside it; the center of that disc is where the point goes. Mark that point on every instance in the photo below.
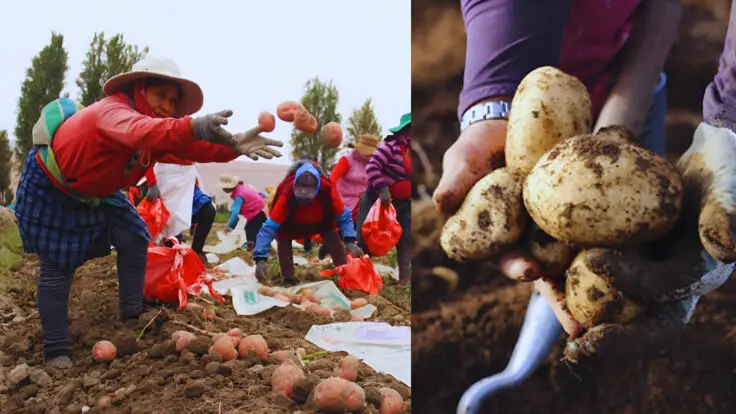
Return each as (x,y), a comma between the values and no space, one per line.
(549,106)
(492,216)
(602,190)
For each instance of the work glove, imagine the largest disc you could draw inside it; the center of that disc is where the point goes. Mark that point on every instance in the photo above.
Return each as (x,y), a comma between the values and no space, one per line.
(353,249)
(260,269)
(153,193)
(385,196)
(253,145)
(209,128)
(674,272)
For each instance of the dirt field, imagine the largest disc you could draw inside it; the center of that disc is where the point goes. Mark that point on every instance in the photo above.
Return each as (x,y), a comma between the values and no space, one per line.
(153,377)
(466,318)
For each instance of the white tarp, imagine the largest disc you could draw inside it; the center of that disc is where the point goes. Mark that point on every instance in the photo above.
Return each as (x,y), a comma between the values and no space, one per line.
(383,347)
(247,300)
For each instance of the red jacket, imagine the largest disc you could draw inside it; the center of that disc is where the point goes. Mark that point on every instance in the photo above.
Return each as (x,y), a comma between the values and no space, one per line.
(94,148)
(299,221)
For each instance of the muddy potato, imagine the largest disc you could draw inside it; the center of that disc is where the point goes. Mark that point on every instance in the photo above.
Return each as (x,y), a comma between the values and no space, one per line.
(492,216)
(603,191)
(549,106)
(554,255)
(591,297)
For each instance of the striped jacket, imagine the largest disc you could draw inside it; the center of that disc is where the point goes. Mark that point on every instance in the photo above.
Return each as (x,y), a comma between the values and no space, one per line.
(388,164)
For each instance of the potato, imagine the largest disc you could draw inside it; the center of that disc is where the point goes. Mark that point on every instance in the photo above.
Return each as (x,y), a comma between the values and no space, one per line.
(336,395)
(224,348)
(602,191)
(284,378)
(254,343)
(549,106)
(491,217)
(554,255)
(391,403)
(591,297)
(347,368)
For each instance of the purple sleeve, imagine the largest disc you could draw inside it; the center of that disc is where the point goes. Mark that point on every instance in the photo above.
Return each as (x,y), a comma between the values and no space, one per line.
(506,39)
(719,101)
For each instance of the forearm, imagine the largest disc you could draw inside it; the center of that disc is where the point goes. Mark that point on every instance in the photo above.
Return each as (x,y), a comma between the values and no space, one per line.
(719,101)
(203,152)
(265,236)
(506,39)
(234,212)
(642,61)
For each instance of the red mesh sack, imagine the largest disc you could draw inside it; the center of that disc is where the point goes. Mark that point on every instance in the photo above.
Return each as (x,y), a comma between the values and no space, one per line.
(381,230)
(357,274)
(155,215)
(174,273)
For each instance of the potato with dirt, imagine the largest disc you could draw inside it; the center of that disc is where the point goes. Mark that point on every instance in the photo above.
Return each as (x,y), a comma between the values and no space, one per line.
(337,395)
(491,217)
(548,107)
(603,190)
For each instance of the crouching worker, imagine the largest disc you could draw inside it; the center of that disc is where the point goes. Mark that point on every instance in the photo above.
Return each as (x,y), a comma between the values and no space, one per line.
(305,204)
(249,203)
(70,205)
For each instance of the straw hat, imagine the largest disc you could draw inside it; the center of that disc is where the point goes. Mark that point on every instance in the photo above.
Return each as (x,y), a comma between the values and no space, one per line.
(365,144)
(228,181)
(163,68)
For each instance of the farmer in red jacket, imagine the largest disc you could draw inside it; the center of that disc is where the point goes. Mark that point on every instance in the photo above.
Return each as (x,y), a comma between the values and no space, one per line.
(305,204)
(70,204)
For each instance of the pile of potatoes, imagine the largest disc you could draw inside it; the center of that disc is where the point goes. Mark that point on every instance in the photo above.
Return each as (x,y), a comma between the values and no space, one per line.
(583,191)
(310,302)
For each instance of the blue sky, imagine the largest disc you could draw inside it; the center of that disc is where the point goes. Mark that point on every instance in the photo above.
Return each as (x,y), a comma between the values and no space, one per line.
(246,55)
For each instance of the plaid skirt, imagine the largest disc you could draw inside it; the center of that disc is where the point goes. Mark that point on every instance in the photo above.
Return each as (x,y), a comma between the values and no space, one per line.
(62,230)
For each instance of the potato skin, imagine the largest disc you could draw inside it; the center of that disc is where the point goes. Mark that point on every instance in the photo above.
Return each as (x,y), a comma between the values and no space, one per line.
(549,106)
(491,217)
(590,295)
(603,191)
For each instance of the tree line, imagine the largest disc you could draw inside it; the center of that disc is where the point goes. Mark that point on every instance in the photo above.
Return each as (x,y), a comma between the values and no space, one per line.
(108,57)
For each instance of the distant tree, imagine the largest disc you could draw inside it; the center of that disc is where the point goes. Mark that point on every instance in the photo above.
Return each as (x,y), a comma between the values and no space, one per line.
(105,59)
(363,122)
(43,83)
(6,156)
(320,99)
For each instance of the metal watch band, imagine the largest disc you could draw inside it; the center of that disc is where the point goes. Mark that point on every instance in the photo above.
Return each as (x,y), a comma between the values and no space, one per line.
(485,111)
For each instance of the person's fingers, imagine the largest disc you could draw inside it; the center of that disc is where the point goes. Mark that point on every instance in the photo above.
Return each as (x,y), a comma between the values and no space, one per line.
(225,113)
(654,330)
(478,151)
(263,154)
(273,142)
(519,265)
(223,135)
(254,157)
(553,292)
(271,151)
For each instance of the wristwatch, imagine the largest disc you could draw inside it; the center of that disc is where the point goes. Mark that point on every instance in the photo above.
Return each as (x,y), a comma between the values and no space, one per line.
(485,111)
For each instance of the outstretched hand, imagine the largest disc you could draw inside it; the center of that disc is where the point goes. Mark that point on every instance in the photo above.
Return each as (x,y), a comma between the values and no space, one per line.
(253,145)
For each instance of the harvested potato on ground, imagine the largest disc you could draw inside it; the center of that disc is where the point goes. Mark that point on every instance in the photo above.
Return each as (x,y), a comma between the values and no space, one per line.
(282,297)
(284,377)
(285,355)
(332,135)
(266,291)
(224,348)
(104,351)
(491,217)
(358,303)
(602,192)
(590,295)
(235,332)
(319,310)
(337,395)
(310,295)
(304,121)
(549,106)
(182,338)
(285,111)
(254,343)
(347,368)
(235,340)
(391,403)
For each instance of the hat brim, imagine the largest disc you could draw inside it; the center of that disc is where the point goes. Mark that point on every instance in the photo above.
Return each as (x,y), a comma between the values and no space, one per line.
(192,96)
(365,149)
(400,127)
